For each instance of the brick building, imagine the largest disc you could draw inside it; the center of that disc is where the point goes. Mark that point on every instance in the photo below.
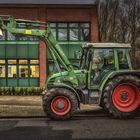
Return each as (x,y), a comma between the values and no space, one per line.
(23,60)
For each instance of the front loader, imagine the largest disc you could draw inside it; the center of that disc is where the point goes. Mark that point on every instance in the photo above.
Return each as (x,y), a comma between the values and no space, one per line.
(104,77)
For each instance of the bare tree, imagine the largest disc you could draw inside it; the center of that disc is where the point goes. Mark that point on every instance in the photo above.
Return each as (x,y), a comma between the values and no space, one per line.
(119,21)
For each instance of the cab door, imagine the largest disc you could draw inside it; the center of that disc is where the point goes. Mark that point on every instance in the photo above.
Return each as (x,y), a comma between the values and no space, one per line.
(101,64)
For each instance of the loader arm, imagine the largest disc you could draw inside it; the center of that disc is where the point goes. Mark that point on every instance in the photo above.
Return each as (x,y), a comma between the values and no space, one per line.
(45,34)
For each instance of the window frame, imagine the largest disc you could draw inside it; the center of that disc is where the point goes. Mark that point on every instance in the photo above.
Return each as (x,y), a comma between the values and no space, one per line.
(69,44)
(68,28)
(17,71)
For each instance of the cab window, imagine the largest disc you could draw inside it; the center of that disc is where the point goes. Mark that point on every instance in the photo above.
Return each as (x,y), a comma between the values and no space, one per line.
(122,58)
(102,62)
(103,58)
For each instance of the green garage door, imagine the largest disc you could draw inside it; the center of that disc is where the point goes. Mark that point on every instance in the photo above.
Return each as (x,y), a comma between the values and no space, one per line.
(70,36)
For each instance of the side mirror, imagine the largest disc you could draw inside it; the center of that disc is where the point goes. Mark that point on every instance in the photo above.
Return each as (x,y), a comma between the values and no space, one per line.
(1,33)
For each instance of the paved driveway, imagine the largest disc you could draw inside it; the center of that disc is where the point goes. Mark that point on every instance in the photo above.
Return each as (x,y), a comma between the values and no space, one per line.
(93,125)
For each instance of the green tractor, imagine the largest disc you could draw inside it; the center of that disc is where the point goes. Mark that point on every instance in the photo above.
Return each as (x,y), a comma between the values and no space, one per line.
(104,76)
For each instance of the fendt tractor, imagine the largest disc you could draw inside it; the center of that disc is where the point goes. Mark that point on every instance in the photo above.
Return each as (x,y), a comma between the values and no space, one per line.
(104,76)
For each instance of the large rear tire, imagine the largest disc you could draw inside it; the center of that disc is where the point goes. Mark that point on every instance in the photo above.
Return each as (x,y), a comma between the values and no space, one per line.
(59,103)
(121,96)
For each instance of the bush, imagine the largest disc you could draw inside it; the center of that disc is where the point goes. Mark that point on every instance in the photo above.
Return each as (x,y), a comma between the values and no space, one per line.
(21,91)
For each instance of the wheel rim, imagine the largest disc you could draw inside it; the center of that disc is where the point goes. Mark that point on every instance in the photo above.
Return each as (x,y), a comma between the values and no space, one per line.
(60,105)
(126,97)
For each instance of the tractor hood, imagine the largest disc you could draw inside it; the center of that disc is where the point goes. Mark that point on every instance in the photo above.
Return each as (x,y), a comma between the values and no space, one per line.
(66,77)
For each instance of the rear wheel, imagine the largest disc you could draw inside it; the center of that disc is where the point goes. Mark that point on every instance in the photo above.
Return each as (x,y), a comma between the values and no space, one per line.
(122,96)
(59,103)
(125,97)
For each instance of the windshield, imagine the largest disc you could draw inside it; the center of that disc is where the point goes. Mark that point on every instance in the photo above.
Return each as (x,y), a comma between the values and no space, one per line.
(103,58)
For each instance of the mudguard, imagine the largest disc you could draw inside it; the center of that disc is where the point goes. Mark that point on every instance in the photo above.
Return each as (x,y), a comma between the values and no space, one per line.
(132,72)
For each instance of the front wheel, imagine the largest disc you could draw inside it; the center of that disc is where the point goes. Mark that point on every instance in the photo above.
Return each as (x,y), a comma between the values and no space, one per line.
(122,96)
(59,103)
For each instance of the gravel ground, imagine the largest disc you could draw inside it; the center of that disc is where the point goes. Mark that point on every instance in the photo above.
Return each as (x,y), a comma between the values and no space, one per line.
(11,106)
(21,100)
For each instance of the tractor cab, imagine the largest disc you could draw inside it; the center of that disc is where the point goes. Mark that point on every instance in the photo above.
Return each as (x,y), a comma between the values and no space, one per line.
(101,58)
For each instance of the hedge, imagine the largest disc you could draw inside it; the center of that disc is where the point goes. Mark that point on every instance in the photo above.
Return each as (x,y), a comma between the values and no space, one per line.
(20,91)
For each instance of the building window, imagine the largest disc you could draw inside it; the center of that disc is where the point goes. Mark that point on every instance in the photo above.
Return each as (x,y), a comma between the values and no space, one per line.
(71,31)
(19,70)
(12,68)
(23,71)
(2,68)
(11,37)
(70,36)
(34,71)
(34,62)
(23,68)
(19,64)
(3,37)
(62,35)
(23,61)
(19,59)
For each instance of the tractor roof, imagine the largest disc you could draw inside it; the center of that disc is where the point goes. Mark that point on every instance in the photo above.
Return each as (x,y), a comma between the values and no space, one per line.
(106,45)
